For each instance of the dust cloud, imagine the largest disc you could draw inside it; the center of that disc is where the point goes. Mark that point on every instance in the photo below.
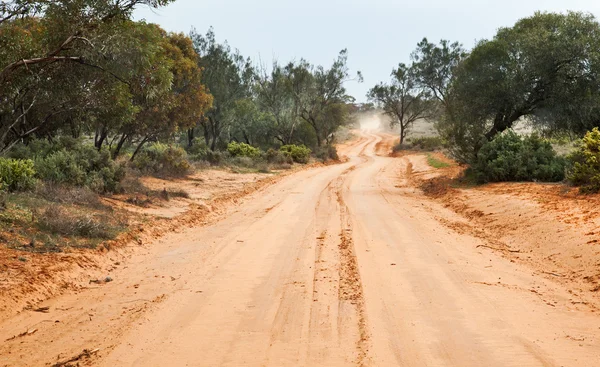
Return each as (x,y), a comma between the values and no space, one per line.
(371,123)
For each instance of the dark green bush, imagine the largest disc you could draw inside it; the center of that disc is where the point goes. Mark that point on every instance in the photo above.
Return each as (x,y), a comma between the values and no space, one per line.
(427,143)
(584,163)
(327,153)
(510,157)
(69,161)
(81,165)
(215,158)
(198,151)
(163,159)
(242,150)
(278,157)
(299,153)
(16,174)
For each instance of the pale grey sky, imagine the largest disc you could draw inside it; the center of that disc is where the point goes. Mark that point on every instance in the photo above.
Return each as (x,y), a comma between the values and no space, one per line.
(377,33)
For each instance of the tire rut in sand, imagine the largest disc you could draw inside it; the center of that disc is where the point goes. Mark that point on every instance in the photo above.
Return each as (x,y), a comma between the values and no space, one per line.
(350,288)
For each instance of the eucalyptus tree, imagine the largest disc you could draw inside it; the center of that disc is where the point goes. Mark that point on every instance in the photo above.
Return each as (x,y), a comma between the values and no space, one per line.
(55,60)
(404,99)
(545,68)
(320,95)
(228,77)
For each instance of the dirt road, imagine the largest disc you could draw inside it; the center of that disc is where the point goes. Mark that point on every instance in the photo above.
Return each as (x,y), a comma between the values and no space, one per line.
(332,266)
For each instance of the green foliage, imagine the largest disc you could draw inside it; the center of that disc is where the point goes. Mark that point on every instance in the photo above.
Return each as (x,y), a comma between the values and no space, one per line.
(278,157)
(63,63)
(215,158)
(542,68)
(436,163)
(584,163)
(69,161)
(163,159)
(242,150)
(16,174)
(198,151)
(299,153)
(327,153)
(510,157)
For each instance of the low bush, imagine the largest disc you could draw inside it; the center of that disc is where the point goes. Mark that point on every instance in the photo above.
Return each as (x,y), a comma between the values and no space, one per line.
(198,151)
(435,162)
(82,165)
(68,161)
(242,150)
(58,221)
(584,163)
(16,174)
(68,195)
(299,153)
(163,159)
(278,157)
(400,147)
(242,161)
(327,153)
(215,158)
(510,157)
(427,143)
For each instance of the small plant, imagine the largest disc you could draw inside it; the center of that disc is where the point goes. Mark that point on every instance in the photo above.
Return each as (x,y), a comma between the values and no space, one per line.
(299,153)
(242,150)
(427,143)
(436,163)
(327,153)
(57,220)
(163,159)
(16,174)
(584,163)
(278,157)
(215,158)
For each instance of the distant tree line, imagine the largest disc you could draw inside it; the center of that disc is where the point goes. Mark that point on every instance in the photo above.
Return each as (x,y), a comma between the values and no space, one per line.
(85,69)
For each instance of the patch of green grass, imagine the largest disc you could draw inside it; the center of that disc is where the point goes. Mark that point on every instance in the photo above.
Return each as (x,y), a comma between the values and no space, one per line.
(436,163)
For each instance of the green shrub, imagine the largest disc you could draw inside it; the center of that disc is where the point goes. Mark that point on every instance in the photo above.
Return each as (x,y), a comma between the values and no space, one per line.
(242,161)
(164,159)
(242,150)
(198,151)
(215,158)
(69,161)
(278,157)
(584,163)
(510,157)
(427,143)
(327,153)
(16,174)
(81,165)
(299,153)
(400,147)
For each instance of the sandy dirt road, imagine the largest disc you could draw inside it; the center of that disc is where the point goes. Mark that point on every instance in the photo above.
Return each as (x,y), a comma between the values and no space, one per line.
(332,266)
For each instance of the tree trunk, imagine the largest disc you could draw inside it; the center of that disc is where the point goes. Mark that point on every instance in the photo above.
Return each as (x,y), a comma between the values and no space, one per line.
(191,137)
(122,141)
(213,144)
(100,137)
(139,148)
(502,122)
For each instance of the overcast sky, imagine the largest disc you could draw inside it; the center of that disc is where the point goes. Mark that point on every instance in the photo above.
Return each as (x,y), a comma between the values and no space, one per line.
(377,33)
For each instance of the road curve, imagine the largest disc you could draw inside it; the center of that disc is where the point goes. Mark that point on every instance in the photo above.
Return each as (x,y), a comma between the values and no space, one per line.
(333,266)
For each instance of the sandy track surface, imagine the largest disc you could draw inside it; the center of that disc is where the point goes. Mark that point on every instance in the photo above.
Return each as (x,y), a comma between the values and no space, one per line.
(332,266)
